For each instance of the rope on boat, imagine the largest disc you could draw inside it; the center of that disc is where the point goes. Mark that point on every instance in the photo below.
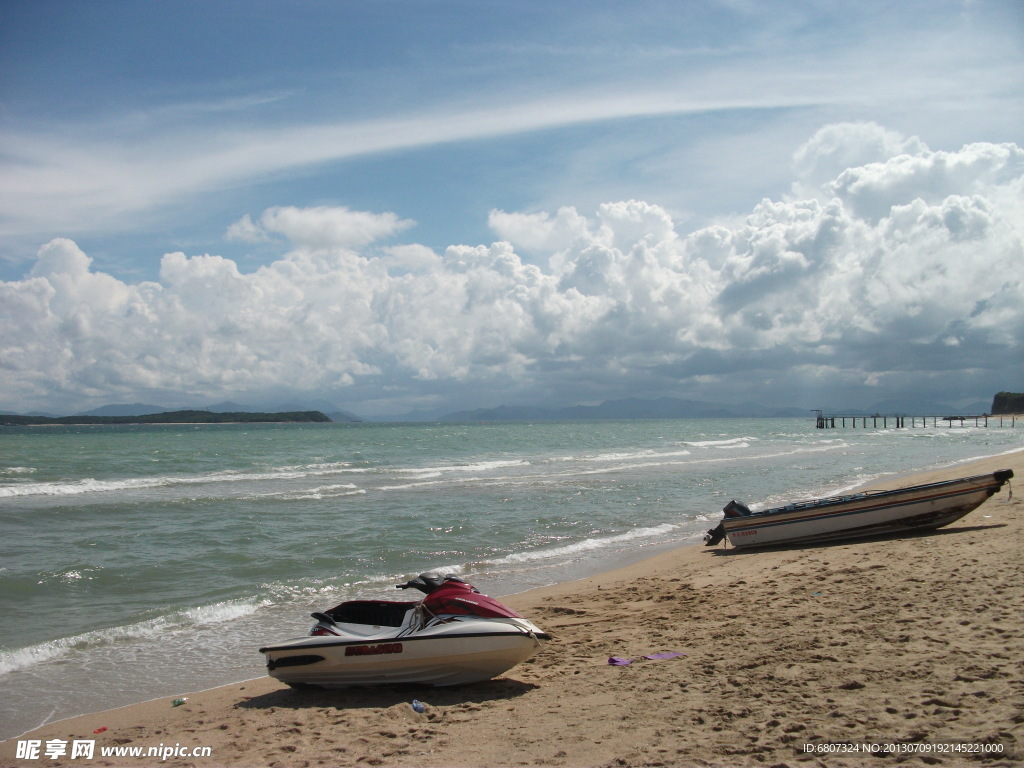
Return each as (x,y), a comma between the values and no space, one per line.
(527,631)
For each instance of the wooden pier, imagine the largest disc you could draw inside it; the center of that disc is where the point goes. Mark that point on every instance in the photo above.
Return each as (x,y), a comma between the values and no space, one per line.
(908,420)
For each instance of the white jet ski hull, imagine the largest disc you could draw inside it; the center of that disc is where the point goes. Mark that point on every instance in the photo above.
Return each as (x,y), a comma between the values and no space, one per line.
(459,651)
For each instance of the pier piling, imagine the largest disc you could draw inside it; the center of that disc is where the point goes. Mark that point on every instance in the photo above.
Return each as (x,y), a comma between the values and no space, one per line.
(899,420)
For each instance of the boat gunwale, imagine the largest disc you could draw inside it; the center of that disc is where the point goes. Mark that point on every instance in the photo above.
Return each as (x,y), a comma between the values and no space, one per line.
(812,504)
(928,521)
(972,491)
(742,523)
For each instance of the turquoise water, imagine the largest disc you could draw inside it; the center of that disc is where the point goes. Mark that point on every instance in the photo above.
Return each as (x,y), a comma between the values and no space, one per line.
(146,561)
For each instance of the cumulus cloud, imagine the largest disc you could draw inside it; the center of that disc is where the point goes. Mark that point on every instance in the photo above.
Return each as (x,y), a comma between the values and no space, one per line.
(319,228)
(540,232)
(837,147)
(895,264)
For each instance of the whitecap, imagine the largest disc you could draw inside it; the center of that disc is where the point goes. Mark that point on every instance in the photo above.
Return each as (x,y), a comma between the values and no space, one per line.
(587,545)
(188,618)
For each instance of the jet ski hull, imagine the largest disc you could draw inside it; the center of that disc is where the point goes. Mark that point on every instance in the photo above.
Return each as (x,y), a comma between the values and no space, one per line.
(453,653)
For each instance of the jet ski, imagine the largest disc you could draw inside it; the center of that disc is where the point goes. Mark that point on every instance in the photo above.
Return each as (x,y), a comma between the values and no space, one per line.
(452,636)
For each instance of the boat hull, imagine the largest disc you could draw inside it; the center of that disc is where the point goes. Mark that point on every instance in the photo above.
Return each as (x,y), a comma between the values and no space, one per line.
(454,653)
(917,508)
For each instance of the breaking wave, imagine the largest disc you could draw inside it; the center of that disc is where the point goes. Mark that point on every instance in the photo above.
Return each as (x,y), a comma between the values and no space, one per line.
(92,485)
(587,545)
(188,618)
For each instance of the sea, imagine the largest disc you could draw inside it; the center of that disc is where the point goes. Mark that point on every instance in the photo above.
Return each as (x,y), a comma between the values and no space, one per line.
(148,561)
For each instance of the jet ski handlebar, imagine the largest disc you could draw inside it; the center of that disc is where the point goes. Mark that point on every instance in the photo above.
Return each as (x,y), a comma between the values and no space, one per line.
(429,582)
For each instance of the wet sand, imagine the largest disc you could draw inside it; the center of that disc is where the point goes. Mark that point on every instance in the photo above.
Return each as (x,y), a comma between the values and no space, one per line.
(914,641)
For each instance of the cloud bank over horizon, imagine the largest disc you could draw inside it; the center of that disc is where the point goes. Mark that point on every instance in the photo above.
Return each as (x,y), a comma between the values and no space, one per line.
(889,266)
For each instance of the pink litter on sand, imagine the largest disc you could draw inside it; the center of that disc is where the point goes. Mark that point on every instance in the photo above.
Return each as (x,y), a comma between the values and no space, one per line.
(618,661)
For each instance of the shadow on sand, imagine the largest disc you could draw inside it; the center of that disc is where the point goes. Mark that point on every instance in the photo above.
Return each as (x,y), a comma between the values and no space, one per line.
(722,552)
(387,696)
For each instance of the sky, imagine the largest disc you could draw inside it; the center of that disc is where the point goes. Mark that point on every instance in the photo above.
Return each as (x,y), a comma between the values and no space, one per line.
(432,205)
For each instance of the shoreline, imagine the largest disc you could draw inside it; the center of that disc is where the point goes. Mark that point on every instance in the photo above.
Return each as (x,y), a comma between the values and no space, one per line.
(718,696)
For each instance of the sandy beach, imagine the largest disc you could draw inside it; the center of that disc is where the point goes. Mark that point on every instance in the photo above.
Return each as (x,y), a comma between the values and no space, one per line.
(917,641)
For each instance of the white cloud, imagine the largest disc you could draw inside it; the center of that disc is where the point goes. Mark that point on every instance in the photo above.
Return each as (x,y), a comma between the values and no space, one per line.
(835,148)
(94,182)
(245,230)
(891,268)
(540,232)
(319,228)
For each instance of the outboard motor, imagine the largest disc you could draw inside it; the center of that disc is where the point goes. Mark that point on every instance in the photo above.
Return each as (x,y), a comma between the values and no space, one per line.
(732,509)
(714,535)
(736,509)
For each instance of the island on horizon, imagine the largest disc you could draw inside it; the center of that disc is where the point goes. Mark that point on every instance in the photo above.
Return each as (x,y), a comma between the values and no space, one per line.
(170,417)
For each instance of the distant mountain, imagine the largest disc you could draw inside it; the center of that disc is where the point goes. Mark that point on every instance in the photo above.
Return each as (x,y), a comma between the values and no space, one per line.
(417,416)
(170,417)
(344,416)
(229,406)
(1008,402)
(979,406)
(323,406)
(506,413)
(930,407)
(629,408)
(124,409)
(117,410)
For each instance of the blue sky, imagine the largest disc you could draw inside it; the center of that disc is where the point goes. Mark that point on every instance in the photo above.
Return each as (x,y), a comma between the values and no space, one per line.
(386,136)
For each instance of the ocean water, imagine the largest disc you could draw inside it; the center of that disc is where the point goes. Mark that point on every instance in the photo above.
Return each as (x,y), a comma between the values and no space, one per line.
(146,561)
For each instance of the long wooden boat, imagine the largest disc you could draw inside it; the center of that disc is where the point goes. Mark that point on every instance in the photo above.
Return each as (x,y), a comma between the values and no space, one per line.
(872,513)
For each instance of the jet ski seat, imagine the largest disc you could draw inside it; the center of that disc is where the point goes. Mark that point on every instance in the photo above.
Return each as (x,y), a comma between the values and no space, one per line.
(382,613)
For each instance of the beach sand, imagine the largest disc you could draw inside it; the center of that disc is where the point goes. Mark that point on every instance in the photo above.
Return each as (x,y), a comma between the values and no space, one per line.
(917,640)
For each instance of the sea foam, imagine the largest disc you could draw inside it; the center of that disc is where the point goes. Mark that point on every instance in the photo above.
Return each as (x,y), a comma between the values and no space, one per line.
(185,619)
(587,545)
